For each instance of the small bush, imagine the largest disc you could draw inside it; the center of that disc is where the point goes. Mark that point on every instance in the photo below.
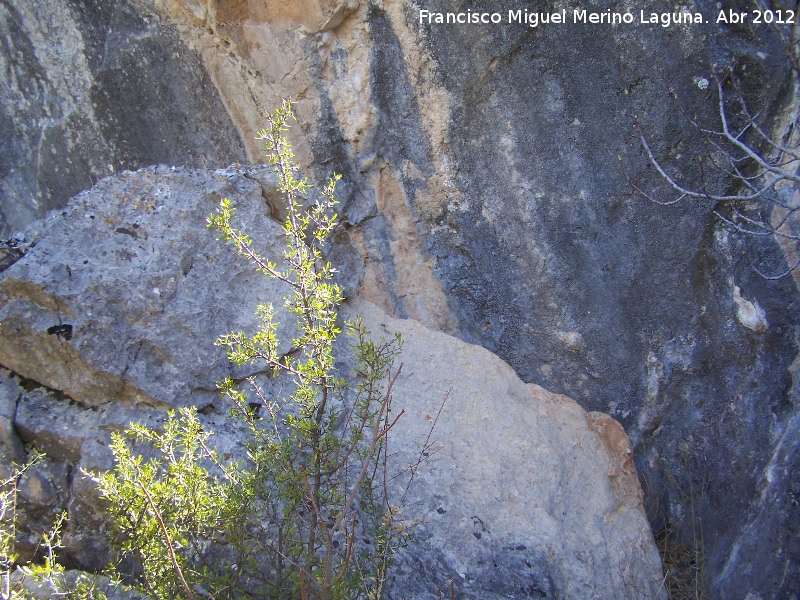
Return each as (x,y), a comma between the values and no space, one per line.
(307,515)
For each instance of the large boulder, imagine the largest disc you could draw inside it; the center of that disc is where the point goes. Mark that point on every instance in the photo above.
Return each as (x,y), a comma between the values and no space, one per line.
(523,494)
(72,321)
(111,315)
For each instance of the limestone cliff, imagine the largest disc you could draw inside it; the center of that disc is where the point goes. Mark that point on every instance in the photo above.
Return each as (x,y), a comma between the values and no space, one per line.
(91,88)
(483,192)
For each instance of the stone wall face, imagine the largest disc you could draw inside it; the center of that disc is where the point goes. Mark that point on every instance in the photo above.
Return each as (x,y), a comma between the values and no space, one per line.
(484,192)
(553,263)
(93,88)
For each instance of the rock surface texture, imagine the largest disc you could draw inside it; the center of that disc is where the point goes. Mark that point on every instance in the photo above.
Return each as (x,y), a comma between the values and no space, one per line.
(94,87)
(525,494)
(485,197)
(111,315)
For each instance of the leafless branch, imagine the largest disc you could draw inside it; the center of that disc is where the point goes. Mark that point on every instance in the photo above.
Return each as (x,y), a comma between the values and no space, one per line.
(167,542)
(425,452)
(760,168)
(377,434)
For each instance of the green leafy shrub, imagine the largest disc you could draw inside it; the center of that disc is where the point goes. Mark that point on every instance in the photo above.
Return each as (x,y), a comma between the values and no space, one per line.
(307,515)
(167,511)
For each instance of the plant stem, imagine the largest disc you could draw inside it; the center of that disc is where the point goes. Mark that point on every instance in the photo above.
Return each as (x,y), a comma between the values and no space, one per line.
(168,542)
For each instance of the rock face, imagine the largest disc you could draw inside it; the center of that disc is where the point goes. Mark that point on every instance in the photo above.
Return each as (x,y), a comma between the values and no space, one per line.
(111,314)
(71,324)
(96,87)
(483,191)
(551,261)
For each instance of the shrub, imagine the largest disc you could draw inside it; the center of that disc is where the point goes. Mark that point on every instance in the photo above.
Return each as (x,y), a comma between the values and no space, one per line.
(307,515)
(167,511)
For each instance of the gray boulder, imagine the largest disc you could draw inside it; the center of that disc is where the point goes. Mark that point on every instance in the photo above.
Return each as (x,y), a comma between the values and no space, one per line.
(523,494)
(113,311)
(125,291)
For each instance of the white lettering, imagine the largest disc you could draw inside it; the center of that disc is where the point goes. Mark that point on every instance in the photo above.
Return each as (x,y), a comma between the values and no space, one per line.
(732,16)
(461,18)
(667,19)
(604,18)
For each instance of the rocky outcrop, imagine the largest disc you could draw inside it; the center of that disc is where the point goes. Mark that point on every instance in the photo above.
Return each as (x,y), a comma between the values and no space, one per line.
(483,190)
(551,246)
(496,166)
(70,324)
(111,316)
(92,88)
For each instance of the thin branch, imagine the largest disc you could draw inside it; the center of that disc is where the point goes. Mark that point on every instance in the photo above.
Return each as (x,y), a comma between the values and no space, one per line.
(732,154)
(701,195)
(348,554)
(776,277)
(167,541)
(378,434)
(424,453)
(262,265)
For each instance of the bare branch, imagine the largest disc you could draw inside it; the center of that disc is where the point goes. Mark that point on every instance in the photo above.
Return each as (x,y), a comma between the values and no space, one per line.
(760,168)
(378,433)
(167,541)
